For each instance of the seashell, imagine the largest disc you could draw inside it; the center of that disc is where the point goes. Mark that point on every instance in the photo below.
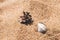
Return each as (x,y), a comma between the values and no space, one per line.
(42,28)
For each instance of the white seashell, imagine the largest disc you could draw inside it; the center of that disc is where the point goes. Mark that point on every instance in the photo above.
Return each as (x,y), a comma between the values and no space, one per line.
(42,28)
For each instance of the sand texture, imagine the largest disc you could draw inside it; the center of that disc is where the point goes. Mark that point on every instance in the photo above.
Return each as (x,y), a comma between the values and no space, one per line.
(45,11)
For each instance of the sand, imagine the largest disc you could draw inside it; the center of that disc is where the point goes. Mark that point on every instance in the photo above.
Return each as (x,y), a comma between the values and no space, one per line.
(45,11)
